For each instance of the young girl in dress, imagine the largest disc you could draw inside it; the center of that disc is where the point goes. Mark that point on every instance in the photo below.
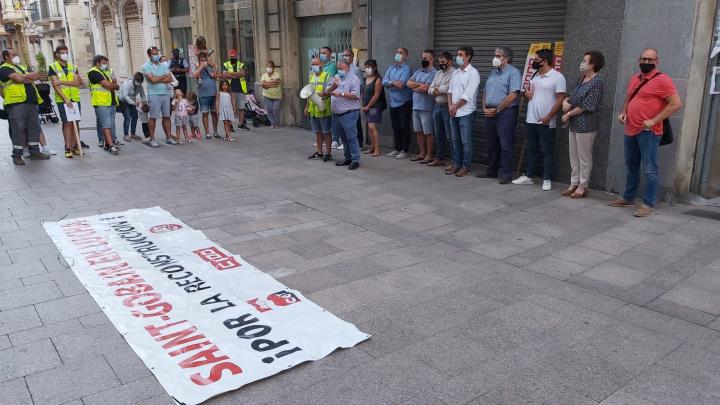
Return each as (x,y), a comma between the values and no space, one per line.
(180,106)
(225,106)
(193,112)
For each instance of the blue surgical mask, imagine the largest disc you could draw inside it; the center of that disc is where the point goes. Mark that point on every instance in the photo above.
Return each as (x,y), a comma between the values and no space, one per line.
(156,58)
(315,69)
(323,58)
(341,73)
(398,57)
(459,60)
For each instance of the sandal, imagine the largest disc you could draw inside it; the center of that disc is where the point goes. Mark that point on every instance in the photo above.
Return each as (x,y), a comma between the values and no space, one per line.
(424,162)
(569,191)
(579,194)
(228,139)
(416,158)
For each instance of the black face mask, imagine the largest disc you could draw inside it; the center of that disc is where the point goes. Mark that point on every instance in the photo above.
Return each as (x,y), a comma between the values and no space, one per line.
(536,65)
(425,64)
(233,60)
(646,68)
(443,66)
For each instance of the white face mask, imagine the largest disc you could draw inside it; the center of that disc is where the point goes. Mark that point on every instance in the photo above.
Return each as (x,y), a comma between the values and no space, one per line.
(269,70)
(368,71)
(64,57)
(104,66)
(16,60)
(583,67)
(496,62)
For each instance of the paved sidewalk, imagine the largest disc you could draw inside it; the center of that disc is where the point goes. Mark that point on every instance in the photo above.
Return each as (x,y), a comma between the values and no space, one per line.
(474,292)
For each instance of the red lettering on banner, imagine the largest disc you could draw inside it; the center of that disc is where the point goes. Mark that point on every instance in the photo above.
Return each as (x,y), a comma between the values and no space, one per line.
(104,259)
(215,373)
(163,307)
(135,289)
(218,259)
(180,338)
(112,271)
(132,278)
(203,358)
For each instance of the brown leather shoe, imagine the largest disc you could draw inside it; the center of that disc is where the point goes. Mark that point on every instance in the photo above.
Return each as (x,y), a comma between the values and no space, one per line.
(643,211)
(450,166)
(435,162)
(569,191)
(578,194)
(39,156)
(621,202)
(451,170)
(18,161)
(464,171)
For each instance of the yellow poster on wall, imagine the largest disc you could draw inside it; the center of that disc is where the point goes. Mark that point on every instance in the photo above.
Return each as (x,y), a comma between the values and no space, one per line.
(528,69)
(558,55)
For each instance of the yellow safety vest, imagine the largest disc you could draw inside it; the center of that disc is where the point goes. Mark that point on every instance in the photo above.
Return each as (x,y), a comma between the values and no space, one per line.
(239,65)
(72,93)
(314,110)
(100,96)
(14,93)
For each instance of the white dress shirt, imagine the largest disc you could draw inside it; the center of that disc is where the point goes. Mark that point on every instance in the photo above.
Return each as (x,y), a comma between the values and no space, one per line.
(464,85)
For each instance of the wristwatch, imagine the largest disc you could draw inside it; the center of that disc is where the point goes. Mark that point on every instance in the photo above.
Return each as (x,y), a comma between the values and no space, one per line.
(342,94)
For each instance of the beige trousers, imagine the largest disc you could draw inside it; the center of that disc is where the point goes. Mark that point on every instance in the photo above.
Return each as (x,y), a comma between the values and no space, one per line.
(581,159)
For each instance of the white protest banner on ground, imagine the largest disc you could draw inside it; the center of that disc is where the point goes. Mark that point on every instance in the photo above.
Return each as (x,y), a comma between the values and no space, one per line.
(203,320)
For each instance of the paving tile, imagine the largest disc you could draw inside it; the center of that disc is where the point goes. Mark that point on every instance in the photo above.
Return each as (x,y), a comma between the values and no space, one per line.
(23,360)
(582,255)
(557,268)
(131,393)
(72,381)
(18,319)
(66,308)
(24,269)
(15,392)
(45,332)
(23,296)
(694,297)
(618,276)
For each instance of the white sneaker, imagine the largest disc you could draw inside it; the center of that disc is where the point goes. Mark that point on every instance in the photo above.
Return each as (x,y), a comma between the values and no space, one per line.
(341,147)
(172,141)
(392,154)
(152,143)
(45,149)
(401,155)
(334,145)
(315,144)
(26,153)
(523,180)
(547,185)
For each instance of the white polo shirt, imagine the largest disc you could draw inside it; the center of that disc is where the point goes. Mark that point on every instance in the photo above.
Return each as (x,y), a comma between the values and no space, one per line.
(544,87)
(465,84)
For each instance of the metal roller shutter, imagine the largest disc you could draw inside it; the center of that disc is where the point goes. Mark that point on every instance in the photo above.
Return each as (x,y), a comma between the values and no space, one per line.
(137,49)
(486,25)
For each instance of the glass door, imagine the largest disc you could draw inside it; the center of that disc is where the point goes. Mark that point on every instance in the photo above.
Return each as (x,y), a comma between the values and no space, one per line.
(235,29)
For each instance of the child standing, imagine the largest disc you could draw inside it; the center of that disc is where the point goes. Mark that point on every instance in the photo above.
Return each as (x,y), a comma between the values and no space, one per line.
(180,106)
(225,105)
(193,112)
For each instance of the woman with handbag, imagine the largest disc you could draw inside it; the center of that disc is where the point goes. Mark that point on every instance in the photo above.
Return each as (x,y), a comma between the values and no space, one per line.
(581,111)
(130,92)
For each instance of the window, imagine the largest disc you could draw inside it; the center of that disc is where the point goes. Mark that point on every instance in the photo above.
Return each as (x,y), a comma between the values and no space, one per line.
(179,8)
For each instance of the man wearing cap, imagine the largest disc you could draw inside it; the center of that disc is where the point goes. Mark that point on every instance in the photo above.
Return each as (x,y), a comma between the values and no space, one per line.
(179,68)
(234,71)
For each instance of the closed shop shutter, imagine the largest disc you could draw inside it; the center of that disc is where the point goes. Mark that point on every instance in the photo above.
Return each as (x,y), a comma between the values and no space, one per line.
(486,25)
(137,49)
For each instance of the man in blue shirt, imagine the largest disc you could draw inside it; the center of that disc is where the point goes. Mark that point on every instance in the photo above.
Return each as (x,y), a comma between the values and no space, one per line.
(395,81)
(500,107)
(423,104)
(159,87)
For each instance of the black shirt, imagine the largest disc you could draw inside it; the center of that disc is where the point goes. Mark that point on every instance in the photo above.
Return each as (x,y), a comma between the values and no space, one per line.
(5,73)
(96,77)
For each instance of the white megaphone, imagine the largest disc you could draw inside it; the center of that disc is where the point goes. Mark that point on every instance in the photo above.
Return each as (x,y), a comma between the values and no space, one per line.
(309,92)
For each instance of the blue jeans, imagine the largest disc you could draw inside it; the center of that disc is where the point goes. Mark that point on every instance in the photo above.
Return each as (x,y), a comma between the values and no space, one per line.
(642,148)
(540,136)
(105,118)
(345,125)
(441,119)
(130,119)
(461,128)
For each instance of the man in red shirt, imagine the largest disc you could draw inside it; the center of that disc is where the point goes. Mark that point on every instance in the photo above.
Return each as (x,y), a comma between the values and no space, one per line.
(651,98)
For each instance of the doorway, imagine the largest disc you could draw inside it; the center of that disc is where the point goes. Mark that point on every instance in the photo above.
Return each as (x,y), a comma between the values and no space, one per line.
(235,31)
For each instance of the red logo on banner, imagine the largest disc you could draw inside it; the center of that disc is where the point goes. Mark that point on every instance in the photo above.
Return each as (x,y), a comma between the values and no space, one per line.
(279,299)
(165,228)
(218,259)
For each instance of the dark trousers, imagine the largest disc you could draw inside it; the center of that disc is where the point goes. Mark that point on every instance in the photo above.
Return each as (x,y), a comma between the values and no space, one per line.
(540,136)
(401,117)
(360,131)
(501,138)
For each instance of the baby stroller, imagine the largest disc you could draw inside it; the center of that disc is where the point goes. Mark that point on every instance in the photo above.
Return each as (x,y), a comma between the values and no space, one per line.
(255,113)
(46,110)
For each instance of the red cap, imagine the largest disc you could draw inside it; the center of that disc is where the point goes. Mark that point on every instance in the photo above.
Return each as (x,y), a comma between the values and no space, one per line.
(232,53)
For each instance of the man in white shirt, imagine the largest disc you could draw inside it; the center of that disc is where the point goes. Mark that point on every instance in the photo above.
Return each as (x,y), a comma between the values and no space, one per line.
(462,102)
(546,93)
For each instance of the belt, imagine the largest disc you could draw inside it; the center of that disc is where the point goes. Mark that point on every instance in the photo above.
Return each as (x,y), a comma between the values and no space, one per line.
(346,112)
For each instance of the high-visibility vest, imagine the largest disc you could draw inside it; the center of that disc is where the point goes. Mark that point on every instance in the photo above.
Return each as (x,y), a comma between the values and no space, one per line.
(72,93)
(14,93)
(100,96)
(314,110)
(239,65)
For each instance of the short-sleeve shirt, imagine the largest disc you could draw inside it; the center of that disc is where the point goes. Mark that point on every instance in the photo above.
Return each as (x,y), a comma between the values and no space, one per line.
(5,73)
(587,96)
(545,89)
(156,89)
(348,84)
(52,72)
(423,101)
(330,68)
(181,107)
(500,84)
(274,93)
(96,77)
(649,102)
(206,84)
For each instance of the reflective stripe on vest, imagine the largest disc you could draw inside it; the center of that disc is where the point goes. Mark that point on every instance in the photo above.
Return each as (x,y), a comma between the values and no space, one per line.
(314,110)
(230,68)
(100,96)
(72,93)
(14,93)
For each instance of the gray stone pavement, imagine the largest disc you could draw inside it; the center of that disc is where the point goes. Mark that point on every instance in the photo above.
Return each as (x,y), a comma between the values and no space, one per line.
(475,293)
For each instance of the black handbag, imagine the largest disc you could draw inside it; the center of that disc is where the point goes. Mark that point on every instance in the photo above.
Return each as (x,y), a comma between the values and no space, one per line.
(667,136)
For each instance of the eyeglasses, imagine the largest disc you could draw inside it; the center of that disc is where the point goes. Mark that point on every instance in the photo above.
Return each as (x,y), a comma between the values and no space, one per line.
(499,56)
(647,60)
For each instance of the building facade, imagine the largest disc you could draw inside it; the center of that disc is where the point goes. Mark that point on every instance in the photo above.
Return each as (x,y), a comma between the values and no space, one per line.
(14,25)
